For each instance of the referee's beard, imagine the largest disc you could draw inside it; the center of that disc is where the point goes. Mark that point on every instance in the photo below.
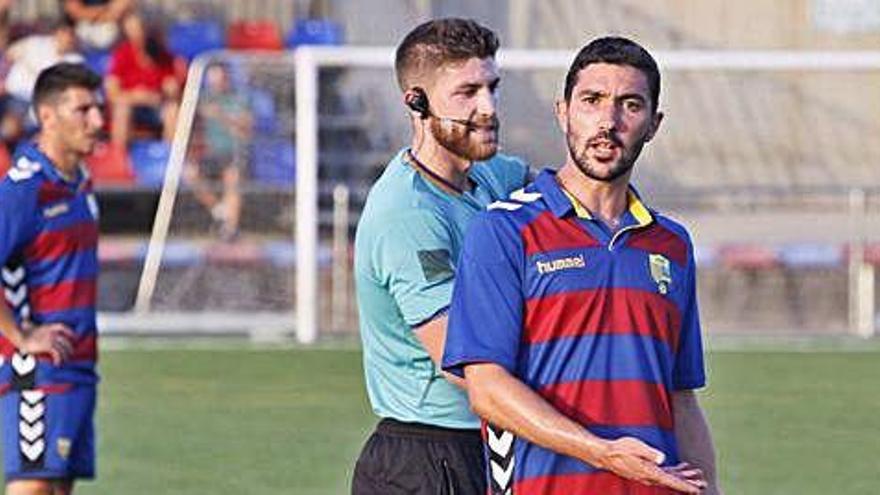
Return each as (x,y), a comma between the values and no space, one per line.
(476,141)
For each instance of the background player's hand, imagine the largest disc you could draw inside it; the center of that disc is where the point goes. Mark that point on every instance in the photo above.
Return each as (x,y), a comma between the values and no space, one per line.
(54,339)
(633,459)
(688,472)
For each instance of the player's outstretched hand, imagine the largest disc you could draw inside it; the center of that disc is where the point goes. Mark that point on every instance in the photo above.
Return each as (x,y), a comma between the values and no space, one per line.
(54,339)
(633,459)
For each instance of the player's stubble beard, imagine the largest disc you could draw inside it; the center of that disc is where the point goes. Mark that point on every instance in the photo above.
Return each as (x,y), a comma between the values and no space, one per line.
(461,140)
(624,164)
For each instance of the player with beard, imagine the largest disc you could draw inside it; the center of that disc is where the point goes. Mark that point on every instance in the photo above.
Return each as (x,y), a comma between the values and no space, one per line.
(574,317)
(407,243)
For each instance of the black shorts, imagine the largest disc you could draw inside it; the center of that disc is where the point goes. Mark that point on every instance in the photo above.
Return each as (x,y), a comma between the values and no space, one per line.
(417,459)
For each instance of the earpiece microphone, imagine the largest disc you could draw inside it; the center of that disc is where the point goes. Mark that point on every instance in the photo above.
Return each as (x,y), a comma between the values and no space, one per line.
(419,104)
(467,123)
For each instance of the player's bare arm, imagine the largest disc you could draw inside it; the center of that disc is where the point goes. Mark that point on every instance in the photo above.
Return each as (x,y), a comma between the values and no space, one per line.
(432,335)
(54,339)
(505,401)
(694,437)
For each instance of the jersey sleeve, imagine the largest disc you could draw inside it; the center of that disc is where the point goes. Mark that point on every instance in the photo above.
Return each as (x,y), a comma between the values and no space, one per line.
(689,372)
(17,212)
(413,257)
(485,318)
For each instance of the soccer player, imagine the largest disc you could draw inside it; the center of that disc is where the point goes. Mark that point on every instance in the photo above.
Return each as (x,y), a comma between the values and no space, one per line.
(574,316)
(48,250)
(407,243)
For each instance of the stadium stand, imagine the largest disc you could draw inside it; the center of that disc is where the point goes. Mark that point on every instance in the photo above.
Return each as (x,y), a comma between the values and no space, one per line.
(314,32)
(149,158)
(731,140)
(192,37)
(110,165)
(254,35)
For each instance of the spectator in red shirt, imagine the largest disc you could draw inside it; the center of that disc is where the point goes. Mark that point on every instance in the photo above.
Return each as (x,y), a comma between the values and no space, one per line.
(142,81)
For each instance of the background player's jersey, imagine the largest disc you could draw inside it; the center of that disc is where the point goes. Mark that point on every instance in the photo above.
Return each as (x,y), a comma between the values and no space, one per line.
(407,243)
(48,250)
(601,324)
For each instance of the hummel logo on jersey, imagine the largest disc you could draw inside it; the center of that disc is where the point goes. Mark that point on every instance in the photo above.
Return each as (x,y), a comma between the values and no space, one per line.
(561,264)
(24,169)
(56,210)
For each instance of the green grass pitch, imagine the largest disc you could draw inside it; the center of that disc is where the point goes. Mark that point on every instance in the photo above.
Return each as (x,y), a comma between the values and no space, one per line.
(262,422)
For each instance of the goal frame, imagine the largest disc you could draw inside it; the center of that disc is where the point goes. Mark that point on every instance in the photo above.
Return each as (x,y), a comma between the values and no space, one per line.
(309,60)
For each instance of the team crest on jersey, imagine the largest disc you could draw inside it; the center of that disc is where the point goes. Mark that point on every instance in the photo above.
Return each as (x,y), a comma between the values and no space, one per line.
(660,272)
(63,447)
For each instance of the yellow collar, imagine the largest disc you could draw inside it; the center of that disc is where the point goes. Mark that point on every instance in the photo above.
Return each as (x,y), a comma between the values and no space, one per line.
(635,206)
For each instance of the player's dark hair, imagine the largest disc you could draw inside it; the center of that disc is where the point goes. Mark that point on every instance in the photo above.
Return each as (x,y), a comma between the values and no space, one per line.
(59,78)
(618,51)
(439,42)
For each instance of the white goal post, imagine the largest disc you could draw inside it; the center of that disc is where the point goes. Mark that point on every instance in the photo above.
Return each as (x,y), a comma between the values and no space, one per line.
(309,60)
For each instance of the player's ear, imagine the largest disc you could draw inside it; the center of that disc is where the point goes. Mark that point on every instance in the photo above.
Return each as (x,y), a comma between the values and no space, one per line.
(655,125)
(45,114)
(561,111)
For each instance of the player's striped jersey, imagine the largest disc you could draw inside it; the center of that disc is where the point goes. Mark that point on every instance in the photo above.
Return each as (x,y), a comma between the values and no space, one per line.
(48,250)
(601,324)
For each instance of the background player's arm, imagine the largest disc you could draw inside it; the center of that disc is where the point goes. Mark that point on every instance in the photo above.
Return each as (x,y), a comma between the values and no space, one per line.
(693,436)
(17,208)
(505,401)
(432,335)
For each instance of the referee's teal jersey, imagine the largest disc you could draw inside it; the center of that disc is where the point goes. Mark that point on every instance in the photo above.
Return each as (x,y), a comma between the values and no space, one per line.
(408,240)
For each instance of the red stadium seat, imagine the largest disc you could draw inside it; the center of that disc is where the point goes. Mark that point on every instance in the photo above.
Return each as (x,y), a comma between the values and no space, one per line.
(749,257)
(5,160)
(254,35)
(871,254)
(110,165)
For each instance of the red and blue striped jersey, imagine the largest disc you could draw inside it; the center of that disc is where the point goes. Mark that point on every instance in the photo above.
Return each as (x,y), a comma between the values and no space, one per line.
(48,251)
(602,324)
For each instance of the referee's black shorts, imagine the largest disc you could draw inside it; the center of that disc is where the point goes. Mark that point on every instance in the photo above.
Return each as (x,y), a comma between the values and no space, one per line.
(418,459)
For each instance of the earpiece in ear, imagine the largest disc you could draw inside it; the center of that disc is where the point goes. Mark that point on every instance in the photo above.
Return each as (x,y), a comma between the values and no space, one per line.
(419,103)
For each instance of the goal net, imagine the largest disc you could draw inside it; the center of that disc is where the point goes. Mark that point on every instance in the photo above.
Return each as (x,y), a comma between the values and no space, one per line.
(760,153)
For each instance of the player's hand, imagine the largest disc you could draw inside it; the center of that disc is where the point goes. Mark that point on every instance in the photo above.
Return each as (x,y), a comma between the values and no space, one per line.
(54,339)
(633,459)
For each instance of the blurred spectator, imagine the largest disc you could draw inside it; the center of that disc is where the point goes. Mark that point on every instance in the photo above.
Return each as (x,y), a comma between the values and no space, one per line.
(12,122)
(97,21)
(5,5)
(226,124)
(143,82)
(31,54)
(5,159)
(9,124)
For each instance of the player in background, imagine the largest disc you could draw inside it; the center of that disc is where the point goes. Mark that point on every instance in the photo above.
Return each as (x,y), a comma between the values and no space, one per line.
(407,243)
(574,317)
(48,250)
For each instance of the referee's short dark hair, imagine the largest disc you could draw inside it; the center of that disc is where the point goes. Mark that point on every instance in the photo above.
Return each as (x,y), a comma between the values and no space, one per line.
(618,51)
(439,42)
(59,78)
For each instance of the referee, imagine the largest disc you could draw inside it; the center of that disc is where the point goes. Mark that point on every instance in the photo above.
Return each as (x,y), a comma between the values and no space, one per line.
(407,243)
